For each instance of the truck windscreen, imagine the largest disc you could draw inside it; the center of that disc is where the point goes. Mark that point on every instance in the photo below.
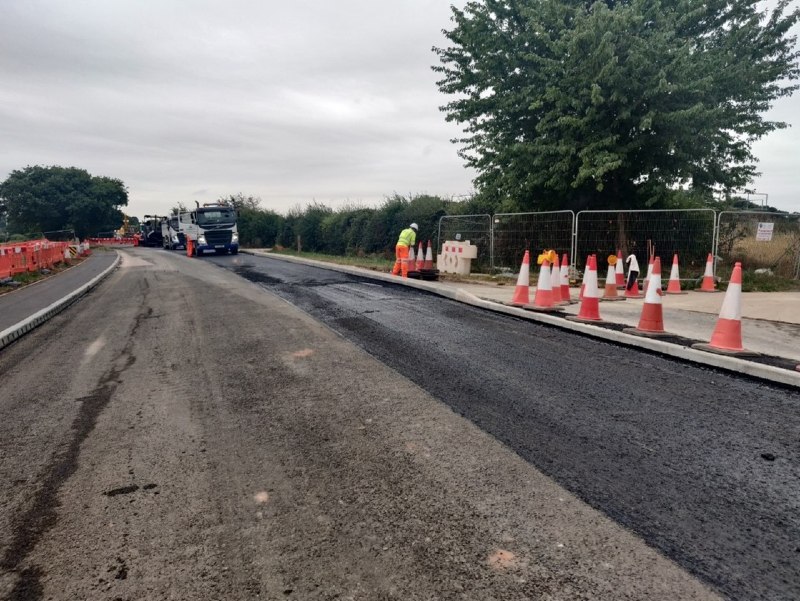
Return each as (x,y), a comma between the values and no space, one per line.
(215,217)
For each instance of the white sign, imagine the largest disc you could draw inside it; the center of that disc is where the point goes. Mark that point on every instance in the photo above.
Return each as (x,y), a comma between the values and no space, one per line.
(764,232)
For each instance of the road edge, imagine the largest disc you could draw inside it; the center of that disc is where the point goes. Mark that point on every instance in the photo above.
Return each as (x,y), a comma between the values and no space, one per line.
(15,332)
(731,364)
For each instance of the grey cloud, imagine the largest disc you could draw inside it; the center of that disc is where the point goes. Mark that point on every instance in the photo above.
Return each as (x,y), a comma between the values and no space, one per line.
(290,101)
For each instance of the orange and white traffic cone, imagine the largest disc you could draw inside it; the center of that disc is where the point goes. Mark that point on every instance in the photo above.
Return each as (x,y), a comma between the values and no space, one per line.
(651,323)
(522,296)
(590,303)
(619,272)
(420,258)
(428,257)
(564,279)
(633,267)
(674,286)
(543,301)
(412,260)
(583,280)
(610,292)
(555,282)
(649,273)
(727,337)
(708,277)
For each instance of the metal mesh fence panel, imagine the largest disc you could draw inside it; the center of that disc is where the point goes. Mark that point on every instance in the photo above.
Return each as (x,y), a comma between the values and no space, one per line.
(475,228)
(514,233)
(689,233)
(759,240)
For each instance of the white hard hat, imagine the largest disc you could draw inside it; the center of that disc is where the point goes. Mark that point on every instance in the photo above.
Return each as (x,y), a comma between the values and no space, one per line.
(414,226)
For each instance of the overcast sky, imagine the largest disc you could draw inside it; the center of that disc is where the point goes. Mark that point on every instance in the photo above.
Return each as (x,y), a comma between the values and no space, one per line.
(291,101)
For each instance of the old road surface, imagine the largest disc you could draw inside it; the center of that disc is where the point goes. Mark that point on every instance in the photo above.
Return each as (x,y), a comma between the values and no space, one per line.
(182,432)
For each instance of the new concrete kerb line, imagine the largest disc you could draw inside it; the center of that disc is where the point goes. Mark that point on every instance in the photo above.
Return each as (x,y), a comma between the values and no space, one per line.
(11,334)
(739,366)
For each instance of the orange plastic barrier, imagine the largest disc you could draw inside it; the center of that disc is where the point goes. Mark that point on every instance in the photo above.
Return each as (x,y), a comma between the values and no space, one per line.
(5,263)
(21,257)
(101,241)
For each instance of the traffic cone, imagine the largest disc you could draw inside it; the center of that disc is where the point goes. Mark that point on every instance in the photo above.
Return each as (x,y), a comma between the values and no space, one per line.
(428,257)
(649,273)
(708,277)
(564,279)
(420,258)
(583,280)
(555,282)
(189,245)
(674,286)
(543,301)
(67,256)
(522,296)
(590,305)
(619,272)
(610,292)
(633,265)
(727,337)
(412,260)
(651,322)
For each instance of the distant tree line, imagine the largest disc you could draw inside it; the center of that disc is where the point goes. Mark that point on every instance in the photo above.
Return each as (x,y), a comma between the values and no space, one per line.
(361,230)
(37,200)
(353,229)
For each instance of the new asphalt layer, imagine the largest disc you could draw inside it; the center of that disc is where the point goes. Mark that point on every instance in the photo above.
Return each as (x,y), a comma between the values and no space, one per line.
(779,337)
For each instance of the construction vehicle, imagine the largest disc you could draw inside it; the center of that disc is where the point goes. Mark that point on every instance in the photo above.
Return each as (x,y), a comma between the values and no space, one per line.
(211,227)
(151,231)
(173,237)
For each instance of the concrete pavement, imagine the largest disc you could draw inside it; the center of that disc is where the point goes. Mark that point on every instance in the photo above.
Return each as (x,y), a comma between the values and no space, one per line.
(770,320)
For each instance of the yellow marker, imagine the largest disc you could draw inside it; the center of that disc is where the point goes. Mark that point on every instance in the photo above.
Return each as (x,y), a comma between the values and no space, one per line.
(612,259)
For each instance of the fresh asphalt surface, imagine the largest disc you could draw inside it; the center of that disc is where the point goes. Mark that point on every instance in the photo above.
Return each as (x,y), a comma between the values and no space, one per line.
(704,466)
(181,433)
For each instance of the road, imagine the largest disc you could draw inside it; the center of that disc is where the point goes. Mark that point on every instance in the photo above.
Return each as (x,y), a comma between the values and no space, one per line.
(181,433)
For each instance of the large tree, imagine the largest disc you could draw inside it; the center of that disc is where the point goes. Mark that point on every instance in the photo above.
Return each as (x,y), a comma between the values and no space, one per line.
(614,103)
(46,199)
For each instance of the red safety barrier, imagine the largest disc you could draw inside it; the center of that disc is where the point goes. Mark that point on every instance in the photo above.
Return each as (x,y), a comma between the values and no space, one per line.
(102,241)
(21,257)
(5,263)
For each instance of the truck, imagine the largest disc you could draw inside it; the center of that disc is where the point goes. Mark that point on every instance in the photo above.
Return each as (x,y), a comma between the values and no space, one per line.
(171,232)
(151,231)
(212,227)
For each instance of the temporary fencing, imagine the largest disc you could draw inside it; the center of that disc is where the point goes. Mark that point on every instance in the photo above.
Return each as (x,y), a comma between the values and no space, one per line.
(759,240)
(23,257)
(514,232)
(475,228)
(107,241)
(663,233)
(768,240)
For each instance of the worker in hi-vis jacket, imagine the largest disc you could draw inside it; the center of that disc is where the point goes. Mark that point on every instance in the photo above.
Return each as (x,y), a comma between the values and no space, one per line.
(408,237)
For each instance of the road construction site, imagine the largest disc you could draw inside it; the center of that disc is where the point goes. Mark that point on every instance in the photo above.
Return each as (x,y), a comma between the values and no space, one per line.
(244,427)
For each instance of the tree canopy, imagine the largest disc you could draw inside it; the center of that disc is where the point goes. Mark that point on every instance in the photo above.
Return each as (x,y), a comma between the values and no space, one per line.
(47,199)
(614,104)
